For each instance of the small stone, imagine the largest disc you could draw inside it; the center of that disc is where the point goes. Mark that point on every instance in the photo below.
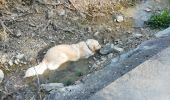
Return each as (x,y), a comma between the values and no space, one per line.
(51,86)
(96,33)
(18,33)
(110,55)
(119,18)
(3,59)
(147,9)
(103,59)
(108,48)
(137,35)
(50,14)
(95,66)
(98,62)
(89,29)
(61,12)
(77,82)
(118,49)
(1,75)
(126,66)
(10,62)
(16,61)
(20,56)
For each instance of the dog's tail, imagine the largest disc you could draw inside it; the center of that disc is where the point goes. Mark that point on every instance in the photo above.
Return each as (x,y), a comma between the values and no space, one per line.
(37,70)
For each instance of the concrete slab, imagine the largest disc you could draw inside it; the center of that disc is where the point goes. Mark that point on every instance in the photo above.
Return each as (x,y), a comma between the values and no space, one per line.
(148,81)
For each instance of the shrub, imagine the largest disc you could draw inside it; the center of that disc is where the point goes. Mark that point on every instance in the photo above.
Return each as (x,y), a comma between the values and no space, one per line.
(68,82)
(161,20)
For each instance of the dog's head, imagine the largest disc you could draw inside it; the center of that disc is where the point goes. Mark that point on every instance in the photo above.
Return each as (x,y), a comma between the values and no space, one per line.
(93,45)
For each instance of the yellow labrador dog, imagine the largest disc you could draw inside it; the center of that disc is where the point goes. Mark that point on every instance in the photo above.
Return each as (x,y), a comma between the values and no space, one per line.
(60,54)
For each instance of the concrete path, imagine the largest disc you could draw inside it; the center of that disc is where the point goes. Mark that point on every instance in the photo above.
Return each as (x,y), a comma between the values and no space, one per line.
(148,81)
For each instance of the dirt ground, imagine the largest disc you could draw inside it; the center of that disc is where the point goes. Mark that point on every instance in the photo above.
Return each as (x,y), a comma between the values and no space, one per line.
(31,28)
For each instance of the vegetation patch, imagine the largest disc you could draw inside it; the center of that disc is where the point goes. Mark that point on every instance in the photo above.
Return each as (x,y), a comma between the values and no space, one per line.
(160,20)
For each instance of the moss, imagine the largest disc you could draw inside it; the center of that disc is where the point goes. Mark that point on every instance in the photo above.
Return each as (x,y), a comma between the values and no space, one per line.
(161,20)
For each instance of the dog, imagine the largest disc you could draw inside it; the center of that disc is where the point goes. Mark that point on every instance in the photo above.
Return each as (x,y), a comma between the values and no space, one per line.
(60,54)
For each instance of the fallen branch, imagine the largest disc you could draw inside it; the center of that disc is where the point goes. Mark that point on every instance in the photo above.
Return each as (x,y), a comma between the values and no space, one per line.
(5,27)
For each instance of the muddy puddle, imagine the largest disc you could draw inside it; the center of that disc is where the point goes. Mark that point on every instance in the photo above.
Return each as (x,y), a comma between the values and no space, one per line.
(68,74)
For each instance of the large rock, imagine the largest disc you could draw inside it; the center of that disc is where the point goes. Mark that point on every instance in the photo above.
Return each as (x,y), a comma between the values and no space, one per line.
(109,48)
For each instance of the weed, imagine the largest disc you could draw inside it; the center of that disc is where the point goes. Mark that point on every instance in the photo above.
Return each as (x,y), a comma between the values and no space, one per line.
(161,20)
(79,73)
(68,82)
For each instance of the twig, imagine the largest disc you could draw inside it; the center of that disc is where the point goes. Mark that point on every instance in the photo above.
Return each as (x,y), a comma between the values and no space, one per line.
(38,86)
(52,4)
(48,23)
(5,27)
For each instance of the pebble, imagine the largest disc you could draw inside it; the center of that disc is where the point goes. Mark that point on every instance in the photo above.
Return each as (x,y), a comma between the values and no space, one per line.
(3,59)
(108,48)
(18,33)
(10,62)
(110,55)
(95,66)
(16,61)
(138,35)
(96,33)
(50,14)
(20,56)
(119,18)
(118,49)
(61,12)
(147,9)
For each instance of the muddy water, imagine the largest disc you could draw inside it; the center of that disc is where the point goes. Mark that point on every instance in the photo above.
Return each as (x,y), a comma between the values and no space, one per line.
(68,73)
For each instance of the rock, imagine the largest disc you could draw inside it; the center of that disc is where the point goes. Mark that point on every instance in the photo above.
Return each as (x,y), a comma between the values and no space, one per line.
(110,55)
(137,35)
(61,11)
(50,14)
(20,56)
(147,9)
(1,75)
(3,59)
(118,49)
(10,62)
(103,59)
(18,33)
(119,18)
(89,29)
(77,82)
(16,61)
(95,66)
(108,48)
(96,34)
(51,86)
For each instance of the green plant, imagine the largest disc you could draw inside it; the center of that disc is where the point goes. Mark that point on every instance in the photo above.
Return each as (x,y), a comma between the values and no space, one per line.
(68,82)
(161,20)
(79,73)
